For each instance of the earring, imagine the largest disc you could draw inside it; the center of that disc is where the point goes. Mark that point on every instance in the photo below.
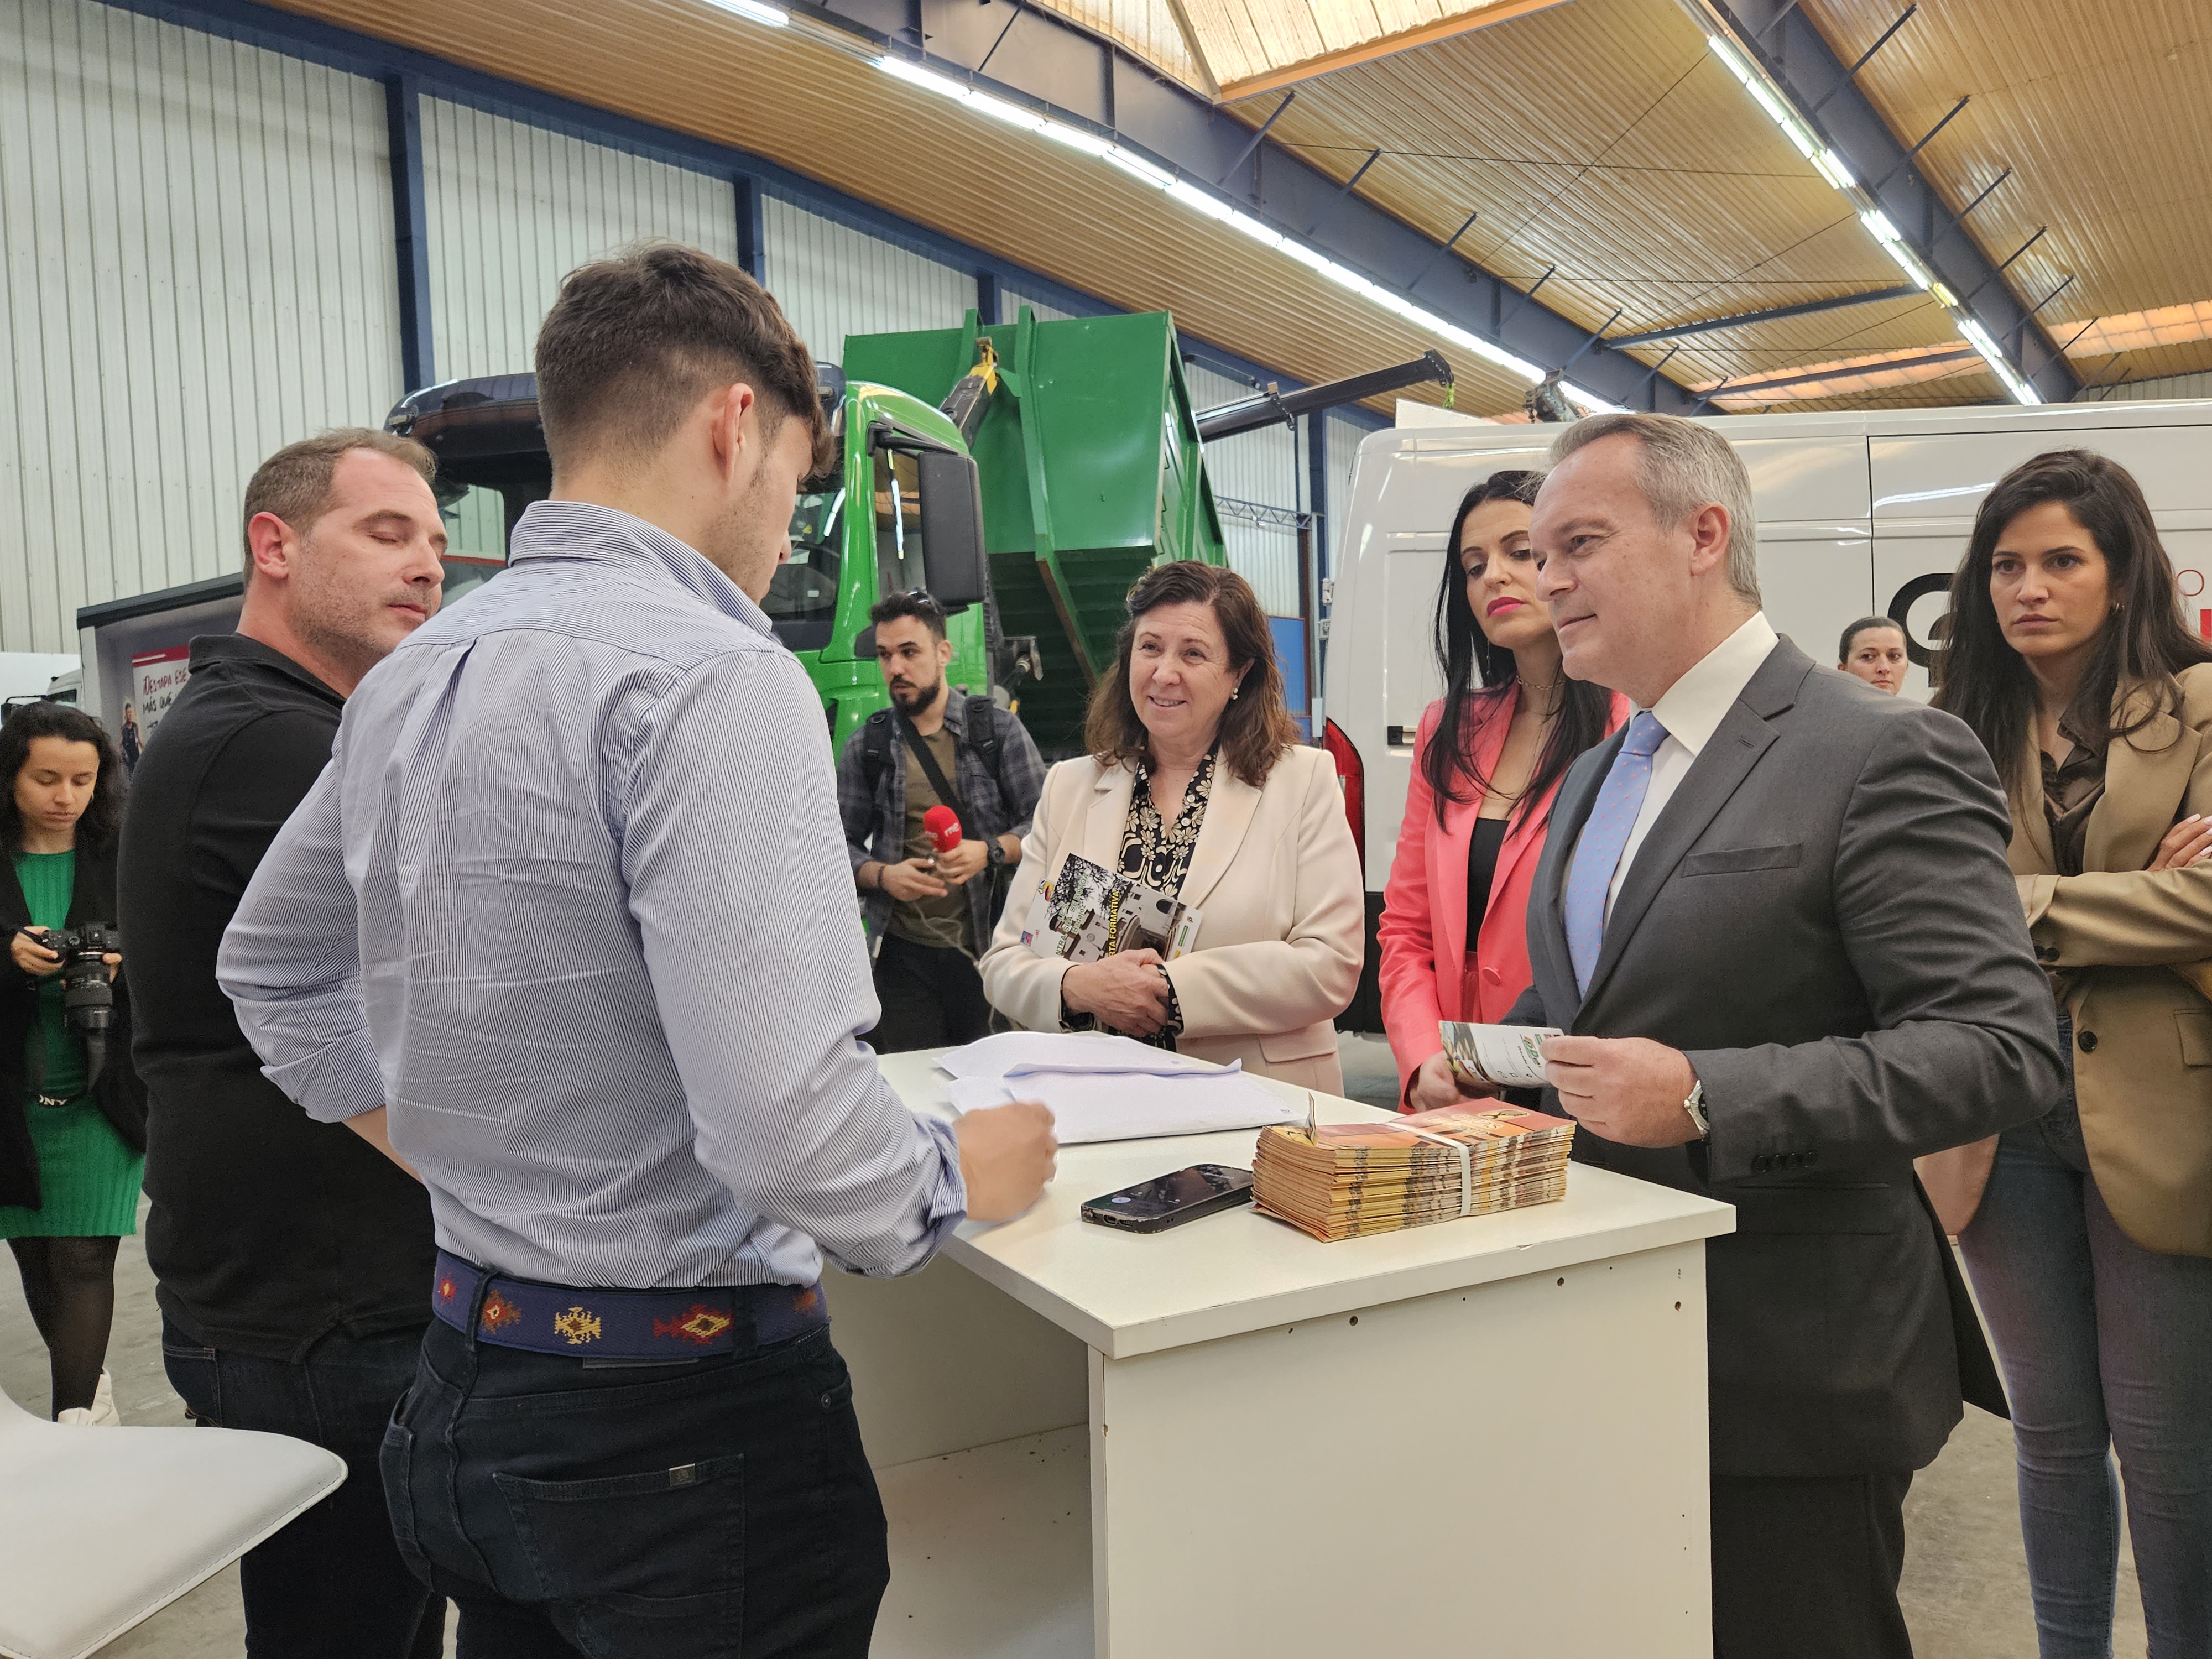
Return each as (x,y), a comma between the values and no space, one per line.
(1238,693)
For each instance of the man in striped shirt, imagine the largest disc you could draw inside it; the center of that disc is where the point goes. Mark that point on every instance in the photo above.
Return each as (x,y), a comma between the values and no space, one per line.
(566,910)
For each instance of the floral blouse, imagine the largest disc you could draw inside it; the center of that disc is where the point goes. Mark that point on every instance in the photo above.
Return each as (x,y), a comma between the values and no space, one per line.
(1156,854)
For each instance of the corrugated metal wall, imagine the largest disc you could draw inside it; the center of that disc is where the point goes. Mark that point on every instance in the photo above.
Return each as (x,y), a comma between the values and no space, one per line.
(196,267)
(512,209)
(2172,385)
(1259,468)
(832,281)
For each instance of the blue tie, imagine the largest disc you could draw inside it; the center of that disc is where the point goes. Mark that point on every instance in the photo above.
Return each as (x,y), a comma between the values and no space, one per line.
(1605,833)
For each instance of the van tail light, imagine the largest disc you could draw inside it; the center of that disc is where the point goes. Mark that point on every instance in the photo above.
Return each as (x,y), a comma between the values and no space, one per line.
(1352,775)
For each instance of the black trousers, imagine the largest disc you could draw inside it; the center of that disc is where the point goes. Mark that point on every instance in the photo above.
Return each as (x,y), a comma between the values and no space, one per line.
(331,1584)
(719,1508)
(932,998)
(1808,1569)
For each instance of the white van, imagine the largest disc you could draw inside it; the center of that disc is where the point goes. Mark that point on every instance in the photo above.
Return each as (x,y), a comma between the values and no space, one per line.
(1859,515)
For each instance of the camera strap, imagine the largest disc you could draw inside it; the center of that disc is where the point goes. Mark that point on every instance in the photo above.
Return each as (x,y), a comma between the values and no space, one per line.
(938,781)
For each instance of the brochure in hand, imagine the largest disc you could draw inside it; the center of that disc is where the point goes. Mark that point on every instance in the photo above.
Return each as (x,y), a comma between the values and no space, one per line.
(1087,913)
(1497,1056)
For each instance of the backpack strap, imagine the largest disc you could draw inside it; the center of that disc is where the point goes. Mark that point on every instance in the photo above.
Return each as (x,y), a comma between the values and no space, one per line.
(983,737)
(876,747)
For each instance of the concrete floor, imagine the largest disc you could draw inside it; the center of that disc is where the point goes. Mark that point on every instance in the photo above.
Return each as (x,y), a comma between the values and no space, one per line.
(1966,1580)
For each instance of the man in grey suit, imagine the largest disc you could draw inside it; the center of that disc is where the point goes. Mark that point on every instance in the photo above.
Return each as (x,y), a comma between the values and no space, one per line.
(1775,917)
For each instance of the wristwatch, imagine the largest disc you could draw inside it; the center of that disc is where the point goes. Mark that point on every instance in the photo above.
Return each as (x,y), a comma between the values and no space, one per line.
(995,855)
(1695,1106)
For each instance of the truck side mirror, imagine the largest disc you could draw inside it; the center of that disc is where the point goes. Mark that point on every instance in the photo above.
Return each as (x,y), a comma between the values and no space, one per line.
(953,528)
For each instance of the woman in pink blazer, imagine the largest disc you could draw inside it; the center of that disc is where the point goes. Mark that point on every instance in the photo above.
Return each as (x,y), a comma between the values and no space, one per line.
(1487,761)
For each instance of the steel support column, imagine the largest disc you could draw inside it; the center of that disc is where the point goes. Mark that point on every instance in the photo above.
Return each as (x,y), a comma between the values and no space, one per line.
(403,115)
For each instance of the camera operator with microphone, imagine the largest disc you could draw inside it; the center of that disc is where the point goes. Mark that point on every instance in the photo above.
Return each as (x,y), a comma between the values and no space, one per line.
(72,1109)
(936,792)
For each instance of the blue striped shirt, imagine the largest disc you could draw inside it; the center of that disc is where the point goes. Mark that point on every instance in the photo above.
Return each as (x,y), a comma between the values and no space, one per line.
(573,900)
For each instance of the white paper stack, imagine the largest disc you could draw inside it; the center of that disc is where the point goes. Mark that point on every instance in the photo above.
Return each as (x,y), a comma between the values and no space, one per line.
(1110,1088)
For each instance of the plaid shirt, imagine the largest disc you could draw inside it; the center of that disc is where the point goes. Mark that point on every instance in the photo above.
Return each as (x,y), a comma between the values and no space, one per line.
(875,821)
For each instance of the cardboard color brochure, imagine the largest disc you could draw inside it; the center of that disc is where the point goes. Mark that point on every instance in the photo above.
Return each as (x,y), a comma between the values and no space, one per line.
(1087,913)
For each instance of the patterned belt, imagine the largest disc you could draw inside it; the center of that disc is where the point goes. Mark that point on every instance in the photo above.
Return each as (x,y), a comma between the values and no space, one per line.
(580,1324)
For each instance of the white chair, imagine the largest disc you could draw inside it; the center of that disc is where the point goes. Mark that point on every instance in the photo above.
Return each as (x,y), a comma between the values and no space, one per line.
(100,1527)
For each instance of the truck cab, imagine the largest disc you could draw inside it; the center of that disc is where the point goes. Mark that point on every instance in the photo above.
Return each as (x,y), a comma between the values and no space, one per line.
(893,515)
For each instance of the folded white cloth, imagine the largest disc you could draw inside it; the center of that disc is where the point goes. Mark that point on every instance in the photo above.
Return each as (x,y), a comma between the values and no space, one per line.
(1092,1106)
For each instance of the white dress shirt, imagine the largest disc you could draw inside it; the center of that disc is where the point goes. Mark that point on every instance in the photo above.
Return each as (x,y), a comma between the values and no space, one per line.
(1692,710)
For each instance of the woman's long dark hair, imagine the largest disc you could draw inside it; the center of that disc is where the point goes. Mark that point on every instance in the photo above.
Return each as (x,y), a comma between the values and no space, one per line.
(2144,643)
(1472,667)
(103,815)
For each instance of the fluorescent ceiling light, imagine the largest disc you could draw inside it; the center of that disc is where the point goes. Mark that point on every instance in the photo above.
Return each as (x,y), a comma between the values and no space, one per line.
(1211,206)
(927,79)
(775,16)
(1138,168)
(1075,138)
(1832,167)
(998,109)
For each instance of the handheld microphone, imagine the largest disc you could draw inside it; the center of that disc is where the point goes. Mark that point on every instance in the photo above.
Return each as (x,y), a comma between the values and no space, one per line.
(944,826)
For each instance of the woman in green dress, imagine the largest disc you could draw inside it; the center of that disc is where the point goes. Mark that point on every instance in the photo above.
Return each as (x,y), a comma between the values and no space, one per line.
(72,1116)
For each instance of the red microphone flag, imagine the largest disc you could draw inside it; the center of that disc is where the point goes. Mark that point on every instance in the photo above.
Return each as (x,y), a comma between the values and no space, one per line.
(944,826)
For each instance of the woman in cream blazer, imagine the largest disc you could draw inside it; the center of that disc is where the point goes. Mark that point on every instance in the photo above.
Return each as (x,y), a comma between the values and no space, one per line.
(2088,1233)
(1194,706)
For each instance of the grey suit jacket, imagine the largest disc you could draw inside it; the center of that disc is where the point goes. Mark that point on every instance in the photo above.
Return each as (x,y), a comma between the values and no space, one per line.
(1823,918)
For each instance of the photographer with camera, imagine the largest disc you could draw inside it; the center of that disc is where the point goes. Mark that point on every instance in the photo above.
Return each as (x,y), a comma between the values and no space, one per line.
(72,1109)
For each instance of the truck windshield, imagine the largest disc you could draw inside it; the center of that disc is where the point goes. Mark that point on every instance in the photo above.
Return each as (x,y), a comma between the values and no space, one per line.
(802,596)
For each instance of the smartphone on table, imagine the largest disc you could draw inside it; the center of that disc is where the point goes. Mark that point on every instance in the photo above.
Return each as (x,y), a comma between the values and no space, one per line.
(1169,1200)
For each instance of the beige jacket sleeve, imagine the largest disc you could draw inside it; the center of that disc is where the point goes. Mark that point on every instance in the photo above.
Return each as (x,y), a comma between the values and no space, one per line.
(1308,975)
(2130,918)
(1020,984)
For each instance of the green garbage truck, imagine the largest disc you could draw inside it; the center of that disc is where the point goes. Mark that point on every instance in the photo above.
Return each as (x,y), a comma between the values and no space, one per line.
(1080,465)
(1024,473)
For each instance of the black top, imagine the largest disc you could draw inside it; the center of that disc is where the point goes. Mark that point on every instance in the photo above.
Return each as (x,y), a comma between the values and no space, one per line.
(269,1229)
(1481,870)
(117,1093)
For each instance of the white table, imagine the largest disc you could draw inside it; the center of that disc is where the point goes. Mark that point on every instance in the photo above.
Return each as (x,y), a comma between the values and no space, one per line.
(1482,1438)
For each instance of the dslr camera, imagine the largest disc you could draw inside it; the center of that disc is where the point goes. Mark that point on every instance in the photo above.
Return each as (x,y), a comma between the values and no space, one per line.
(88,995)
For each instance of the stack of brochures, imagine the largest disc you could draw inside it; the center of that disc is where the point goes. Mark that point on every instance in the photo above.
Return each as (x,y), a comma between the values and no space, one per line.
(1348,1180)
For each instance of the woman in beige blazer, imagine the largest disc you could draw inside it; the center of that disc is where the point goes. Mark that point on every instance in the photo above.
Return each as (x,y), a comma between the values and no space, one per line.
(1196,785)
(2088,1233)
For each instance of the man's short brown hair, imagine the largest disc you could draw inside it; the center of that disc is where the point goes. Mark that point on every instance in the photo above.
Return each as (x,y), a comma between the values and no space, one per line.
(634,341)
(295,483)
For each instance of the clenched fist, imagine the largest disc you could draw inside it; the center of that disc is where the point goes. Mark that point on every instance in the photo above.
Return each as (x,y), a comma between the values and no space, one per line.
(1007,1155)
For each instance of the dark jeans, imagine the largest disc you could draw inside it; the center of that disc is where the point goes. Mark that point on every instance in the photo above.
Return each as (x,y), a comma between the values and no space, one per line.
(2105,1346)
(331,1584)
(932,998)
(1808,1569)
(701,1510)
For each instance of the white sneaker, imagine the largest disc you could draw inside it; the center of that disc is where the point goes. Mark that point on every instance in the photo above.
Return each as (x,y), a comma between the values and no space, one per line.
(78,1417)
(104,1414)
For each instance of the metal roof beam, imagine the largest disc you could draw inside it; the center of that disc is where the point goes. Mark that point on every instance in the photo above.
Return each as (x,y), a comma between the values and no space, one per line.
(1794,53)
(1775,314)
(1040,59)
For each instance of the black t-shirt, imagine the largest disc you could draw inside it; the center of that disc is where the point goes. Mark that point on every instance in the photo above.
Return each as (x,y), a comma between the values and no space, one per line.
(268,1229)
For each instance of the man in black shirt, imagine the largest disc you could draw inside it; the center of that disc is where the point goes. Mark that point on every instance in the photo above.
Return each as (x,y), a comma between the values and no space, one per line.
(294,1258)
